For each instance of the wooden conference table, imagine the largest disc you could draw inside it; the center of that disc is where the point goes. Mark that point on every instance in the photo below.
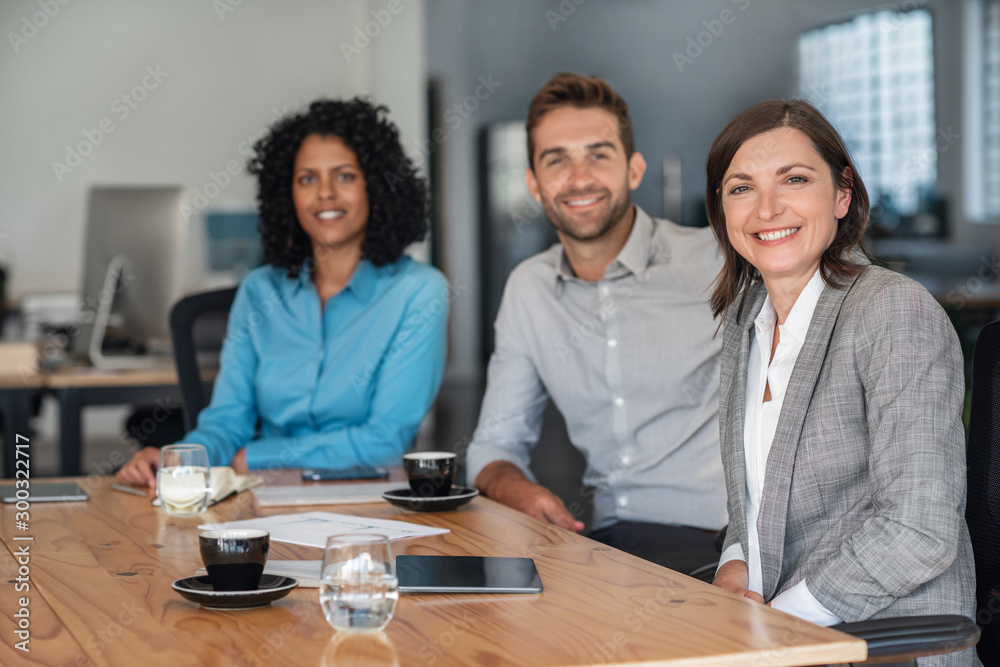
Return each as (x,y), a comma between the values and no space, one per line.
(100,575)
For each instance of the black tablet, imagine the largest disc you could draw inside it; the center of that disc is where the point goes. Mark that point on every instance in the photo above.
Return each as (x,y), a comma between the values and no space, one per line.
(44,492)
(467,574)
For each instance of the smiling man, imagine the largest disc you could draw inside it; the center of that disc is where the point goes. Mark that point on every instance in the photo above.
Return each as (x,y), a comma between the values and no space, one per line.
(613,324)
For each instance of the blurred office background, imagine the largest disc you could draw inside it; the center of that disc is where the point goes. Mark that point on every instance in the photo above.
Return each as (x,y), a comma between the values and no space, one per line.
(914,86)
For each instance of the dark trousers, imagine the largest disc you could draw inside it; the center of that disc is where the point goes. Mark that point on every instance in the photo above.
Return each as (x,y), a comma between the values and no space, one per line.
(679,548)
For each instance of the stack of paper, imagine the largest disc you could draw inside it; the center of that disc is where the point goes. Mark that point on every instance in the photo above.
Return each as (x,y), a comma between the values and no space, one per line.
(312,528)
(326,494)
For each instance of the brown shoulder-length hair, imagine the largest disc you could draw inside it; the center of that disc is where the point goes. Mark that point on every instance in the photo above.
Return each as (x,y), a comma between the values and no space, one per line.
(567,89)
(836,265)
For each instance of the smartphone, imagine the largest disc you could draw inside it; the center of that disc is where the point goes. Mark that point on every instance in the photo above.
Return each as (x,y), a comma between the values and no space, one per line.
(45,492)
(358,472)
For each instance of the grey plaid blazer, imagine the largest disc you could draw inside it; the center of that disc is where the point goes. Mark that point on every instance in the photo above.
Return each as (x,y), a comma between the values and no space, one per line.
(865,482)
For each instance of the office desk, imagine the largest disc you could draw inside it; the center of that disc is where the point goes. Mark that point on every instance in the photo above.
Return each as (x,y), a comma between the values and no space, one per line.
(100,592)
(76,388)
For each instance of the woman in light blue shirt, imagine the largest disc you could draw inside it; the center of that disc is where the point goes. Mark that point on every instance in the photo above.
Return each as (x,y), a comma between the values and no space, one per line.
(335,348)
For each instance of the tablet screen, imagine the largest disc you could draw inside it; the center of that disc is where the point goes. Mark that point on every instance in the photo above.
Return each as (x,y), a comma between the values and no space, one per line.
(44,492)
(467,574)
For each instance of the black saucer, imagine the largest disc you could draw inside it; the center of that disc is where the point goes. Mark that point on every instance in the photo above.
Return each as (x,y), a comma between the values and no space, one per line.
(404,498)
(199,589)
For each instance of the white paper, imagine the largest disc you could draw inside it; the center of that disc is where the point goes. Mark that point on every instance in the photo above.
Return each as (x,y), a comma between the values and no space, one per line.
(312,528)
(327,494)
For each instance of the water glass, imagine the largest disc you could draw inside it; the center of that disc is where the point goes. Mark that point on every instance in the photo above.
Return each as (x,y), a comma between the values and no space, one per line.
(358,588)
(182,480)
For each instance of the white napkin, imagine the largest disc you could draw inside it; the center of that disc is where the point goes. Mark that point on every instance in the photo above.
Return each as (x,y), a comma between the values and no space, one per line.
(225,482)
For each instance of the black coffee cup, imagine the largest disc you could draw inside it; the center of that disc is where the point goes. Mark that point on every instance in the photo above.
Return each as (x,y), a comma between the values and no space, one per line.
(430,474)
(234,558)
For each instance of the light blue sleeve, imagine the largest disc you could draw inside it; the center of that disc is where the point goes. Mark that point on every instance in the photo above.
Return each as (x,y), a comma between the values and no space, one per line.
(408,379)
(230,419)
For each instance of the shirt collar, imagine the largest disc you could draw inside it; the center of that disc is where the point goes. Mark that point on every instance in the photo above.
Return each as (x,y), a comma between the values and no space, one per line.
(361,285)
(634,257)
(797,323)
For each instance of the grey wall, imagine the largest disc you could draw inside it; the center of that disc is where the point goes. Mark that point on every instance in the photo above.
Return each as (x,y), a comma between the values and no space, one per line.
(675,111)
(226,69)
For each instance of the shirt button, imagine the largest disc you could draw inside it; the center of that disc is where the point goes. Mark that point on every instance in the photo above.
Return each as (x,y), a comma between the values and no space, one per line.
(622,501)
(619,401)
(612,343)
(605,290)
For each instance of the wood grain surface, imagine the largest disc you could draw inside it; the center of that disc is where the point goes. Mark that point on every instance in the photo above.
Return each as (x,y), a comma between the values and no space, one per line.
(87,376)
(101,572)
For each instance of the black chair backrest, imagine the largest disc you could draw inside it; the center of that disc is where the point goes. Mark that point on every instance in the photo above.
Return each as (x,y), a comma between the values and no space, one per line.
(983,509)
(184,319)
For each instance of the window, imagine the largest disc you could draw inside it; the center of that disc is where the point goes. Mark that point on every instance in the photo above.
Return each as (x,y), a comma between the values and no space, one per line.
(981,110)
(873,77)
(991,109)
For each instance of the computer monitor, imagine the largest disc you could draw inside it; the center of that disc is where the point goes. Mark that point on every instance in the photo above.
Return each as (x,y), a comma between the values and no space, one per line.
(234,246)
(133,272)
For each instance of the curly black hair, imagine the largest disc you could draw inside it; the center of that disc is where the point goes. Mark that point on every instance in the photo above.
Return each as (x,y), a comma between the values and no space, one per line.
(398,205)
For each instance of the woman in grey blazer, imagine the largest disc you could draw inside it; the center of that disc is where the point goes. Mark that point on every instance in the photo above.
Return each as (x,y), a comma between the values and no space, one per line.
(841,396)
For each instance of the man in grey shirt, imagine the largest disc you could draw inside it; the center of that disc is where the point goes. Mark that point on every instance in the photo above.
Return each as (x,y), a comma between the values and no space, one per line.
(614,325)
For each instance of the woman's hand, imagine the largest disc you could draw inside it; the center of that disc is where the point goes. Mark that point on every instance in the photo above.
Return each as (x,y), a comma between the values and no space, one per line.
(239,462)
(141,469)
(734,577)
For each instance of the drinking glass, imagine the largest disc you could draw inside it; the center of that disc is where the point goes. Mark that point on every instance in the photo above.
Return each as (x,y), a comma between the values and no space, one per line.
(182,480)
(358,588)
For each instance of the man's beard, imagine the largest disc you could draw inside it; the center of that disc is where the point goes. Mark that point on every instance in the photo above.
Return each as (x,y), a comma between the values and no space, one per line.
(570,227)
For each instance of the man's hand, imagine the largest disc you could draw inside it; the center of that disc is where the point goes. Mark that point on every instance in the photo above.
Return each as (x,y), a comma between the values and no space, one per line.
(141,469)
(239,462)
(734,577)
(504,482)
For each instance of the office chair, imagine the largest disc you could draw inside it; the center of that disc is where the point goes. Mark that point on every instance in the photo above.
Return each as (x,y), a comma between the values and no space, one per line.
(190,316)
(983,508)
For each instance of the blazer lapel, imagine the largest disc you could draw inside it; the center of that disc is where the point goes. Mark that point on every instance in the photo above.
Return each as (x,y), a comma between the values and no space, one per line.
(732,406)
(772,518)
